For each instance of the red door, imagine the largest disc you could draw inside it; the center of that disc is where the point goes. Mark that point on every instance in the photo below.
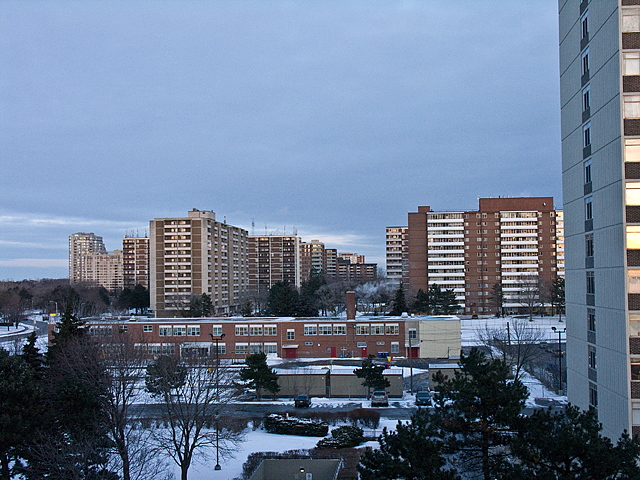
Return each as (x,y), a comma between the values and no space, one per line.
(364,352)
(333,352)
(290,352)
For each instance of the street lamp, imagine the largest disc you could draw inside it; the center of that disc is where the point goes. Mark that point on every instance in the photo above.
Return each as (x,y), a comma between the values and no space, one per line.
(217,467)
(560,332)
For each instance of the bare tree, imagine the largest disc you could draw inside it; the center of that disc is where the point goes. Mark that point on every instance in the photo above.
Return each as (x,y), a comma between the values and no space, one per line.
(517,344)
(194,393)
(531,292)
(125,361)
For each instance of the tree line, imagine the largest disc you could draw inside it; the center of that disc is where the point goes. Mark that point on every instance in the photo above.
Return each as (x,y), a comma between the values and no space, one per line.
(477,431)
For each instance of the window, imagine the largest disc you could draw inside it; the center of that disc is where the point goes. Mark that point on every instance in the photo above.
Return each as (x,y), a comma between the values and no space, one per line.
(635,372)
(339,329)
(392,329)
(222,348)
(308,344)
(588,208)
(395,347)
(270,330)
(164,331)
(168,349)
(324,330)
(291,334)
(591,319)
(592,357)
(633,237)
(147,328)
(591,283)
(242,330)
(584,22)
(193,331)
(122,328)
(632,106)
(217,330)
(586,131)
(153,349)
(633,281)
(413,333)
(311,329)
(631,20)
(632,150)
(362,329)
(270,348)
(377,329)
(593,395)
(242,348)
(585,62)
(631,63)
(255,348)
(632,193)
(179,330)
(587,171)
(255,330)
(588,244)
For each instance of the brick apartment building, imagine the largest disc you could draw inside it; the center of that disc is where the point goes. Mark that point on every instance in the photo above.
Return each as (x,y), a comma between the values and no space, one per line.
(512,242)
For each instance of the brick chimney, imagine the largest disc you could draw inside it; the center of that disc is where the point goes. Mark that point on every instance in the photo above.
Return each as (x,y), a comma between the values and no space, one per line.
(351,305)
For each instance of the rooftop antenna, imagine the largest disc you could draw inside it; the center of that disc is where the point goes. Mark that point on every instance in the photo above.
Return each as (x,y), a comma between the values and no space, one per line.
(295,231)
(253,227)
(265,229)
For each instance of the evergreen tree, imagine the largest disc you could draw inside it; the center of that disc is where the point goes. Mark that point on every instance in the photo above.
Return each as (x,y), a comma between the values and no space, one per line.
(309,300)
(557,296)
(70,325)
(497,298)
(435,299)
(449,302)
(372,375)
(568,446)
(247,309)
(421,303)
(477,409)
(259,375)
(399,302)
(282,300)
(413,451)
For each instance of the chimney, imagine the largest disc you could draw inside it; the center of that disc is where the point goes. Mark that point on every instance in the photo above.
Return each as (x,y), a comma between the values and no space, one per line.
(351,305)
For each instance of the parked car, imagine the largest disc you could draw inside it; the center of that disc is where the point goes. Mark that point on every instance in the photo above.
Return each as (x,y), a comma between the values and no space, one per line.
(303,401)
(379,398)
(423,399)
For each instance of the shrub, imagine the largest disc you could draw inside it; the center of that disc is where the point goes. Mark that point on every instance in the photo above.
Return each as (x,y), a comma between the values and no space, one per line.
(343,437)
(365,417)
(294,426)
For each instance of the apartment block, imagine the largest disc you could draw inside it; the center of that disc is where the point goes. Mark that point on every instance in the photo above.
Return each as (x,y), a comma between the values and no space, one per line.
(103,270)
(272,259)
(600,123)
(512,242)
(397,261)
(194,255)
(81,244)
(135,258)
(330,262)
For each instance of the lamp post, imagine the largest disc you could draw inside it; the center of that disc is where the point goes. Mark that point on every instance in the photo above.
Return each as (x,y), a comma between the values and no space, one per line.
(560,332)
(217,467)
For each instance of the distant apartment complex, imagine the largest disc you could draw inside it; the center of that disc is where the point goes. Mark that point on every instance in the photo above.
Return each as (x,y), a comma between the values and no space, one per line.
(135,262)
(89,262)
(512,242)
(197,255)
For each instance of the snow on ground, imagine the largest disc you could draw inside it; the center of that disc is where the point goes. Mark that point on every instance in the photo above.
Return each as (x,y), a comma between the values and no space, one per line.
(260,441)
(470,328)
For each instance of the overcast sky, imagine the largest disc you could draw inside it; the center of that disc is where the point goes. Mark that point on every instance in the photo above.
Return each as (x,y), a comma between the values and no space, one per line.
(337,117)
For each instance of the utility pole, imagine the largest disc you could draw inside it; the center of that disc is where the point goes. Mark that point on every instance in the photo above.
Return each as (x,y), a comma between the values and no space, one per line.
(560,332)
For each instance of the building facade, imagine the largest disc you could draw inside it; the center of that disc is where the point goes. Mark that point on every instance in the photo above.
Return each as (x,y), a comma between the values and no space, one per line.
(81,244)
(600,113)
(515,243)
(272,259)
(135,262)
(195,255)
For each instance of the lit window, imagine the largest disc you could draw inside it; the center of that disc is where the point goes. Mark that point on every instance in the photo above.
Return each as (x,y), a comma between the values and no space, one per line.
(362,329)
(632,150)
(632,193)
(633,281)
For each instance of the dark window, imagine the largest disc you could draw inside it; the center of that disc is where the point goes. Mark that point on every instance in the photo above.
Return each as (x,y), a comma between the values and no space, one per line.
(591,283)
